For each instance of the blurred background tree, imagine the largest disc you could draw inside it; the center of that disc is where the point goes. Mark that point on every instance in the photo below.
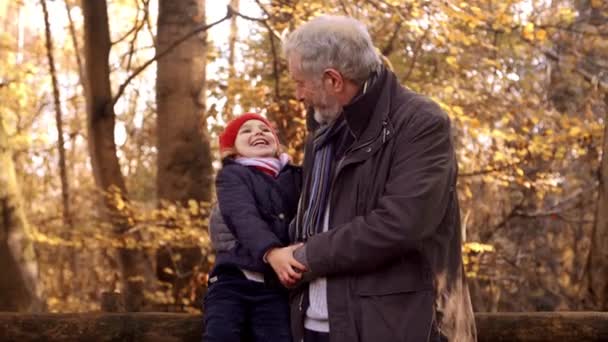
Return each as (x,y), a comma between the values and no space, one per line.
(525,83)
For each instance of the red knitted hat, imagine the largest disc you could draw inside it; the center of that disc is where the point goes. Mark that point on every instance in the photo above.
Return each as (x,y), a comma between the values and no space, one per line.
(229,134)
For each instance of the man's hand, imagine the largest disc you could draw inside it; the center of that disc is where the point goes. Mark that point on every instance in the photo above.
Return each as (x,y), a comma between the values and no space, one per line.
(287,268)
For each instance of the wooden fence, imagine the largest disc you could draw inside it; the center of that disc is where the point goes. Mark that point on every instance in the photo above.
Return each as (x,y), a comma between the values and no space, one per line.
(153,327)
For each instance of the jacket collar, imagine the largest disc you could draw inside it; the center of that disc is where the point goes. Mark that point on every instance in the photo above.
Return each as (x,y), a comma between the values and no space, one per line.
(366,112)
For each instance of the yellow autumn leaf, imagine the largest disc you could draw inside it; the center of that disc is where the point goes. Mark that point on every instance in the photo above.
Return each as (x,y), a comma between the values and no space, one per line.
(574,131)
(528,31)
(477,247)
(458,110)
(567,14)
(193,206)
(541,35)
(120,204)
(564,280)
(467,192)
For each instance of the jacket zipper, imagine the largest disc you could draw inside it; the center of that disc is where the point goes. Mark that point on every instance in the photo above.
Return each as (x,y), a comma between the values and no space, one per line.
(300,304)
(385,133)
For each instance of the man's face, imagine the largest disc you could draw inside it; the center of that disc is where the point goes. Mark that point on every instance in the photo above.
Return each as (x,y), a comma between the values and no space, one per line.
(314,93)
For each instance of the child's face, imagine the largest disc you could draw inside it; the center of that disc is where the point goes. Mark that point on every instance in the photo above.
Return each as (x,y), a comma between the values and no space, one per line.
(255,140)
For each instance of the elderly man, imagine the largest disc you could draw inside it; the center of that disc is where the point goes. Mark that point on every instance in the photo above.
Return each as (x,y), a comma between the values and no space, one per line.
(378,216)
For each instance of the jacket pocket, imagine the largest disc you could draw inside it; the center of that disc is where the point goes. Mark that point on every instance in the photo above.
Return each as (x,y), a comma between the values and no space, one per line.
(408,274)
(402,317)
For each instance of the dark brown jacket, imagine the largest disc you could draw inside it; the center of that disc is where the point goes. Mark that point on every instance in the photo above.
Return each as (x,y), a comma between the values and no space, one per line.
(392,256)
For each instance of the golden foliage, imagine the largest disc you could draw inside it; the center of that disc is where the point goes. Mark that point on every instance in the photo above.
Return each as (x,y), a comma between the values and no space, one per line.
(527,129)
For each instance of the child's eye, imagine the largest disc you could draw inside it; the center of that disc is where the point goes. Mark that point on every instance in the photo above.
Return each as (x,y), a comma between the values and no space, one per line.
(245,131)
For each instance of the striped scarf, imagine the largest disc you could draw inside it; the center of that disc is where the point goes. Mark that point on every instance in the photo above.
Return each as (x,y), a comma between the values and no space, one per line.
(272,166)
(311,222)
(321,176)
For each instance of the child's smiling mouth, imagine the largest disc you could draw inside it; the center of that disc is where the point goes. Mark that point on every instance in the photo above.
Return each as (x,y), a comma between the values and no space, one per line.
(260,142)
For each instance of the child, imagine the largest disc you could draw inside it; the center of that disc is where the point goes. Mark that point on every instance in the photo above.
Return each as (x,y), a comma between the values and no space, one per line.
(257,192)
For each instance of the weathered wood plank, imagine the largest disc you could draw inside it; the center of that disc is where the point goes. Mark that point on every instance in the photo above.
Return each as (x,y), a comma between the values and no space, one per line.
(542,326)
(99,327)
(153,327)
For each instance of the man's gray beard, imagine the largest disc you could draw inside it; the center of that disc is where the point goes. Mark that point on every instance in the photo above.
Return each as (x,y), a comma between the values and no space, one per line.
(325,117)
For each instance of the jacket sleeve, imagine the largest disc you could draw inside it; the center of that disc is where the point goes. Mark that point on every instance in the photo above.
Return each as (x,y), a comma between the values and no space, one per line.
(241,215)
(222,238)
(415,198)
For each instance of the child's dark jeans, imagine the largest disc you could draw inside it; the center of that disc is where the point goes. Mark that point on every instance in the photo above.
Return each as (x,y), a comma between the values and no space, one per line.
(237,309)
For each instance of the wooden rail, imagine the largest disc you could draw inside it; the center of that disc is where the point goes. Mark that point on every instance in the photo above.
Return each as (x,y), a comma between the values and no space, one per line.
(153,327)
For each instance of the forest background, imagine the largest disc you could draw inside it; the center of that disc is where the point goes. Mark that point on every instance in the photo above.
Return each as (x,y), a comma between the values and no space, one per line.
(110,110)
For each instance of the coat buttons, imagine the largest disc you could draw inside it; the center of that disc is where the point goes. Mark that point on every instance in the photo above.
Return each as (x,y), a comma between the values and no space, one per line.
(368,150)
(282,216)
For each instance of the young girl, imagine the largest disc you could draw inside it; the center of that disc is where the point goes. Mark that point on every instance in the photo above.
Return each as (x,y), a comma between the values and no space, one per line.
(257,192)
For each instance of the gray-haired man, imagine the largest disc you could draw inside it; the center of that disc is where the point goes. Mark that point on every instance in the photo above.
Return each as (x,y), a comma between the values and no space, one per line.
(378,214)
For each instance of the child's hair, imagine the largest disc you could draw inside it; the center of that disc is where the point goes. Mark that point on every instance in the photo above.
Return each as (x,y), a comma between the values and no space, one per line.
(228,136)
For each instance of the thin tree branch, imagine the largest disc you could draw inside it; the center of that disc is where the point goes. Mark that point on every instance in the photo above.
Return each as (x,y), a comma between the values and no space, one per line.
(572,30)
(263,8)
(484,171)
(390,45)
(416,53)
(500,225)
(6,83)
(150,30)
(344,8)
(264,21)
(58,118)
(136,27)
(77,51)
(140,26)
(593,79)
(556,210)
(161,54)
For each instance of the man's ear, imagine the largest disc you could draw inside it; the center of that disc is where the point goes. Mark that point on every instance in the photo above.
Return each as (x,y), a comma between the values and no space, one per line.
(335,79)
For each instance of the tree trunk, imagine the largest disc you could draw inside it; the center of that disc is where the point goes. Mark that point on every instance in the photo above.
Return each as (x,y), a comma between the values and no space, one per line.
(65,200)
(590,14)
(102,149)
(20,288)
(232,39)
(184,155)
(597,271)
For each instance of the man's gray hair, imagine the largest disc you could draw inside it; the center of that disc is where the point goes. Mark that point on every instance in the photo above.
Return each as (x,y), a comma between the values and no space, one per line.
(337,42)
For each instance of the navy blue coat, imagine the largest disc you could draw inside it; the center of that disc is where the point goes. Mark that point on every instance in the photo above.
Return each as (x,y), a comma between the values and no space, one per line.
(257,208)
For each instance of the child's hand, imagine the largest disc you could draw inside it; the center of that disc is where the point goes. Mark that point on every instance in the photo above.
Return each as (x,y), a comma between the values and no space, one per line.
(287,268)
